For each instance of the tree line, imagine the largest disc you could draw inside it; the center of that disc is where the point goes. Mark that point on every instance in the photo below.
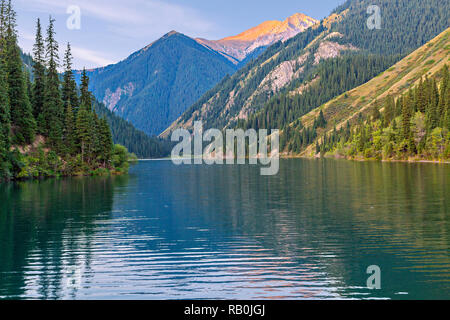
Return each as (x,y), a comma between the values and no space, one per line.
(333,77)
(416,124)
(48,125)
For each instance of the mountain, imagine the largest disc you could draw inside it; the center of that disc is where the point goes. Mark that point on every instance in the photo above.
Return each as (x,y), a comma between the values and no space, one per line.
(357,107)
(238,48)
(27,61)
(153,86)
(136,141)
(291,78)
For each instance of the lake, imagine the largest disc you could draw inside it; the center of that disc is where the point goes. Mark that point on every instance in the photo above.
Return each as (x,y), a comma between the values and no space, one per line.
(226,232)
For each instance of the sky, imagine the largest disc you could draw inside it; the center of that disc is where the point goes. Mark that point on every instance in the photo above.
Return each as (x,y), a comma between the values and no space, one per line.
(110,30)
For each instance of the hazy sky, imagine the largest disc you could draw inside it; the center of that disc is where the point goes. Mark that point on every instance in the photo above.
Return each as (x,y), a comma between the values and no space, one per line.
(113,29)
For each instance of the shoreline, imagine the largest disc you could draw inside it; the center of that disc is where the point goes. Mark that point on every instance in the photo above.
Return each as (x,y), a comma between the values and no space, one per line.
(287,157)
(366,160)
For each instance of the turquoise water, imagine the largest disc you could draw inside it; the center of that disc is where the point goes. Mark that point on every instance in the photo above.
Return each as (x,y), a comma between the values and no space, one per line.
(225,232)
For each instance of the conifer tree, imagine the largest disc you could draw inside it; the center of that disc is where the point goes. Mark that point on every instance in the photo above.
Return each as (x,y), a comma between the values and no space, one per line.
(432,109)
(3,20)
(95,147)
(406,122)
(106,141)
(5,124)
(83,132)
(442,96)
(53,108)
(447,108)
(69,130)
(420,97)
(21,110)
(69,86)
(86,97)
(38,96)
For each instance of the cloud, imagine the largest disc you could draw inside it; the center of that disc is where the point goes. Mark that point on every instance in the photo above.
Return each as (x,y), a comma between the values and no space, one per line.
(115,27)
(129,16)
(91,56)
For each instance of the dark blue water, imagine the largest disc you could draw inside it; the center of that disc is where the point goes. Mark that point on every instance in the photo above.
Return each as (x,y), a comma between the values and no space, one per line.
(225,232)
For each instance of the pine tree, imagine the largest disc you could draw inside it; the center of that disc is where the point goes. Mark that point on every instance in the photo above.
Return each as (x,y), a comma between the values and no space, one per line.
(86,97)
(320,121)
(69,86)
(432,110)
(447,108)
(3,20)
(406,118)
(106,142)
(5,124)
(420,97)
(95,147)
(442,96)
(21,111)
(53,108)
(38,96)
(83,131)
(406,122)
(69,131)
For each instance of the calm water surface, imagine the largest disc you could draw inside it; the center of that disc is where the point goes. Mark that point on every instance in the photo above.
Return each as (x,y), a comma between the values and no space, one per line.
(225,232)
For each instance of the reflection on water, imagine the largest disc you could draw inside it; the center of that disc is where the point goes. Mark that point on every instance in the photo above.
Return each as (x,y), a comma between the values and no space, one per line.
(194,232)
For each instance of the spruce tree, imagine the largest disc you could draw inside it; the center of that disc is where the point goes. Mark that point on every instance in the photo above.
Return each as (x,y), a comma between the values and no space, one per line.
(69,131)
(22,118)
(95,147)
(83,131)
(86,97)
(5,124)
(53,108)
(38,92)
(432,110)
(420,97)
(106,142)
(69,86)
(406,118)
(447,108)
(442,96)
(3,20)
(406,122)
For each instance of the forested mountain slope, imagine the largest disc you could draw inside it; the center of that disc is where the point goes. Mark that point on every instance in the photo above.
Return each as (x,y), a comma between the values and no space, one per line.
(402,109)
(153,86)
(136,141)
(337,55)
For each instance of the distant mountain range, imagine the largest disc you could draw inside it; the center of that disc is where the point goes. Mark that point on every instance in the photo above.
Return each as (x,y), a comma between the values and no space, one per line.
(238,48)
(155,85)
(340,53)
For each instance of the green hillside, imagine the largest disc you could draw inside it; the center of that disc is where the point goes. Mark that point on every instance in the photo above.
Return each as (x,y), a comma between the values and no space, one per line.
(134,140)
(153,86)
(400,114)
